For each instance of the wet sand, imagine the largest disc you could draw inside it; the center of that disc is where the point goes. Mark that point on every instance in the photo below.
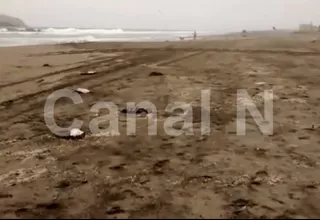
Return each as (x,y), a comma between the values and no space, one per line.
(222,175)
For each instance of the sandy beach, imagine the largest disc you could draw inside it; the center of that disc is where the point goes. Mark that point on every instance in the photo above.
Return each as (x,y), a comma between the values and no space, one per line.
(222,175)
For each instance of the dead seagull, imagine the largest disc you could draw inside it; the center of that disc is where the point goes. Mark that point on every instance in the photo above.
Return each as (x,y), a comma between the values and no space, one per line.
(75,133)
(82,90)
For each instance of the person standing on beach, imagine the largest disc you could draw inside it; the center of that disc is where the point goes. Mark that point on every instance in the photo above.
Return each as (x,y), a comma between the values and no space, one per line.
(194,35)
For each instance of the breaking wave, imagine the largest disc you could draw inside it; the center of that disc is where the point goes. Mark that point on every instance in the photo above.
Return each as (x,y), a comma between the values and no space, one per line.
(75,31)
(36,41)
(88,38)
(32,36)
(81,32)
(60,31)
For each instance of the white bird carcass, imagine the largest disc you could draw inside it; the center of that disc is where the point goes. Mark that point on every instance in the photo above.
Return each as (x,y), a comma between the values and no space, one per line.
(75,132)
(82,90)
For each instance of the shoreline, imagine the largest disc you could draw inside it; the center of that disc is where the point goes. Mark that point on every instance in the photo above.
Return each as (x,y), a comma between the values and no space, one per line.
(231,37)
(51,36)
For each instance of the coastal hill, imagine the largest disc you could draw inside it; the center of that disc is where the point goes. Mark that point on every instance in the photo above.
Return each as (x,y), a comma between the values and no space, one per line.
(8,21)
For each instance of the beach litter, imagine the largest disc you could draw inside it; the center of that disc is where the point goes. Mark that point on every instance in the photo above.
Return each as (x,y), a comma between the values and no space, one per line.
(156,74)
(88,73)
(82,91)
(260,83)
(46,65)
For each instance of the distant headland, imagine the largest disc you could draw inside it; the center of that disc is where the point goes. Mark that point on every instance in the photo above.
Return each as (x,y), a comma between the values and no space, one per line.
(9,21)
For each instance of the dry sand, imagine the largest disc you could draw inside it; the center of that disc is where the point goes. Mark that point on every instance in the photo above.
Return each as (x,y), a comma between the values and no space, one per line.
(219,176)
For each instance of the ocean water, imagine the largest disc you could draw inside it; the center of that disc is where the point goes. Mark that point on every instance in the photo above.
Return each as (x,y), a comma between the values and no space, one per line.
(36,36)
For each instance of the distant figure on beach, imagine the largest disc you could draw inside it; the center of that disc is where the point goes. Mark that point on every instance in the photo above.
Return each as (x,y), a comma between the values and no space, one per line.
(194,35)
(274,28)
(244,33)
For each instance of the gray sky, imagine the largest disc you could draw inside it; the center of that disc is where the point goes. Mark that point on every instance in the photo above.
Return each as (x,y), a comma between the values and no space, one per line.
(215,15)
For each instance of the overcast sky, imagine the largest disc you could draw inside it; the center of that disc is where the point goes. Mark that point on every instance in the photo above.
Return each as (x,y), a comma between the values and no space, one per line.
(215,15)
